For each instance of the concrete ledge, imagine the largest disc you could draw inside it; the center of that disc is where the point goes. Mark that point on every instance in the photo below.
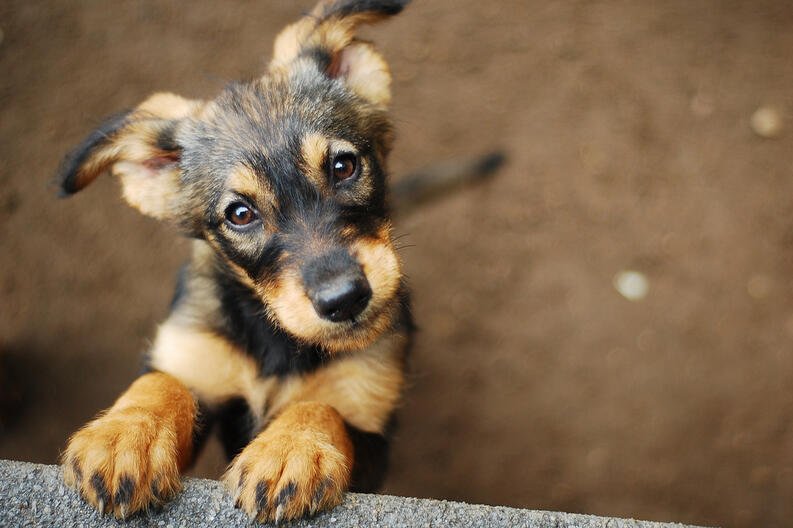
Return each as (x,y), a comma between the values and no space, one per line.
(33,495)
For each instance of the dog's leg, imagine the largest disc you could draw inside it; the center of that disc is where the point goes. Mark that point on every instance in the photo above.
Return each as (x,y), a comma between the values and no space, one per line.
(305,459)
(298,465)
(130,457)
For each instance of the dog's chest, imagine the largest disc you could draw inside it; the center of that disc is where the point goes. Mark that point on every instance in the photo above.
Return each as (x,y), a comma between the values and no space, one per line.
(364,386)
(215,369)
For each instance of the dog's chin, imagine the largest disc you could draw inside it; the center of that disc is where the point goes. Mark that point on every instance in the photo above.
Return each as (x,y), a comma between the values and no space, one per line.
(344,336)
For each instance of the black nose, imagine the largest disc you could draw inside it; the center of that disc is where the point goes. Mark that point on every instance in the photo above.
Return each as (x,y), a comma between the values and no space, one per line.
(342,298)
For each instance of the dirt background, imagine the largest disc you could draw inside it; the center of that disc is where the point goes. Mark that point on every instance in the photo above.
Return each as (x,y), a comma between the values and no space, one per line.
(535,383)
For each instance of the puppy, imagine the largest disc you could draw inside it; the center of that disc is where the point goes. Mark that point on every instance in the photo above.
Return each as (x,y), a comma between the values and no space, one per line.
(290,325)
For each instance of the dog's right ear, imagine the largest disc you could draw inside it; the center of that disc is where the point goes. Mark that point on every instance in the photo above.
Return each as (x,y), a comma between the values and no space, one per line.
(140,147)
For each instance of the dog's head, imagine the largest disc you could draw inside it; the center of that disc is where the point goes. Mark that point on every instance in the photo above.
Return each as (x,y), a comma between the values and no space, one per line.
(283,176)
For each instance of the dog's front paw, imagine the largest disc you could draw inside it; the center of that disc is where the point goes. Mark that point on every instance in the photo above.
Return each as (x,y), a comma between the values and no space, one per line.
(124,461)
(298,466)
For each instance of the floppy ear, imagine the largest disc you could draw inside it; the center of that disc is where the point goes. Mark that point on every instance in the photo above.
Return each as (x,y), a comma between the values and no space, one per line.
(327,35)
(139,147)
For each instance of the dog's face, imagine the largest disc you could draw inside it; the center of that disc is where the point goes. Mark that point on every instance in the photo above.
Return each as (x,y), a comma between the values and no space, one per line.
(283,176)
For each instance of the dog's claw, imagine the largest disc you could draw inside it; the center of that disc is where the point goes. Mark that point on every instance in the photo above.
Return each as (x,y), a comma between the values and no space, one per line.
(317,498)
(102,494)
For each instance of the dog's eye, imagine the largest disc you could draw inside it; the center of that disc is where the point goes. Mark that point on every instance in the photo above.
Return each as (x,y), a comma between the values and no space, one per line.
(240,214)
(343,167)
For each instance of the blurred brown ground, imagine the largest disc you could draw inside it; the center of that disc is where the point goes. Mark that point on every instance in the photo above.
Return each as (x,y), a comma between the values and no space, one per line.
(535,384)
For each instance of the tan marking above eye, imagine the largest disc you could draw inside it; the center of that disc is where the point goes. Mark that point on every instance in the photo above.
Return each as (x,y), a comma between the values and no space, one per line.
(315,150)
(319,152)
(244,182)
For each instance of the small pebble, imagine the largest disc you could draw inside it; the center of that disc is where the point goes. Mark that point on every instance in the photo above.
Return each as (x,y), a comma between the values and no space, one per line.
(759,286)
(633,285)
(766,122)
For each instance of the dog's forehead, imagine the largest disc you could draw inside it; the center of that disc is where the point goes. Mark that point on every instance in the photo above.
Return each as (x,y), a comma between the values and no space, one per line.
(279,130)
(274,113)
(263,138)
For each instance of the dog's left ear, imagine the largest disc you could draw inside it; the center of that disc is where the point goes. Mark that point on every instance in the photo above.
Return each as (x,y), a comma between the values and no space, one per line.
(327,36)
(139,147)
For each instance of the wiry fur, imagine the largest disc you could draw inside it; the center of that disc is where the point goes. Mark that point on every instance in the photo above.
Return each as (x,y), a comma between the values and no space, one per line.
(302,389)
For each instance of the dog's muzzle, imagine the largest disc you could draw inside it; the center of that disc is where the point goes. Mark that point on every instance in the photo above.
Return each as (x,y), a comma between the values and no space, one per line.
(337,286)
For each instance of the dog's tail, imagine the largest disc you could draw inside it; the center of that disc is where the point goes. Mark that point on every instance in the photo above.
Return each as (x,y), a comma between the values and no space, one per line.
(430,183)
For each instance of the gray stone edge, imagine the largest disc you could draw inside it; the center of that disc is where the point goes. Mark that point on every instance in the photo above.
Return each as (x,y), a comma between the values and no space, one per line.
(34,495)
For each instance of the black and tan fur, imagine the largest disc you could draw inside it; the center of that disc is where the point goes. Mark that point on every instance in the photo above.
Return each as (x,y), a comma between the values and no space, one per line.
(289,331)
(301,392)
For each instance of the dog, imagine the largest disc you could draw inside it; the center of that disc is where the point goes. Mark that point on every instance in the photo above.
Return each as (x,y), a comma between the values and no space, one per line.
(290,327)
